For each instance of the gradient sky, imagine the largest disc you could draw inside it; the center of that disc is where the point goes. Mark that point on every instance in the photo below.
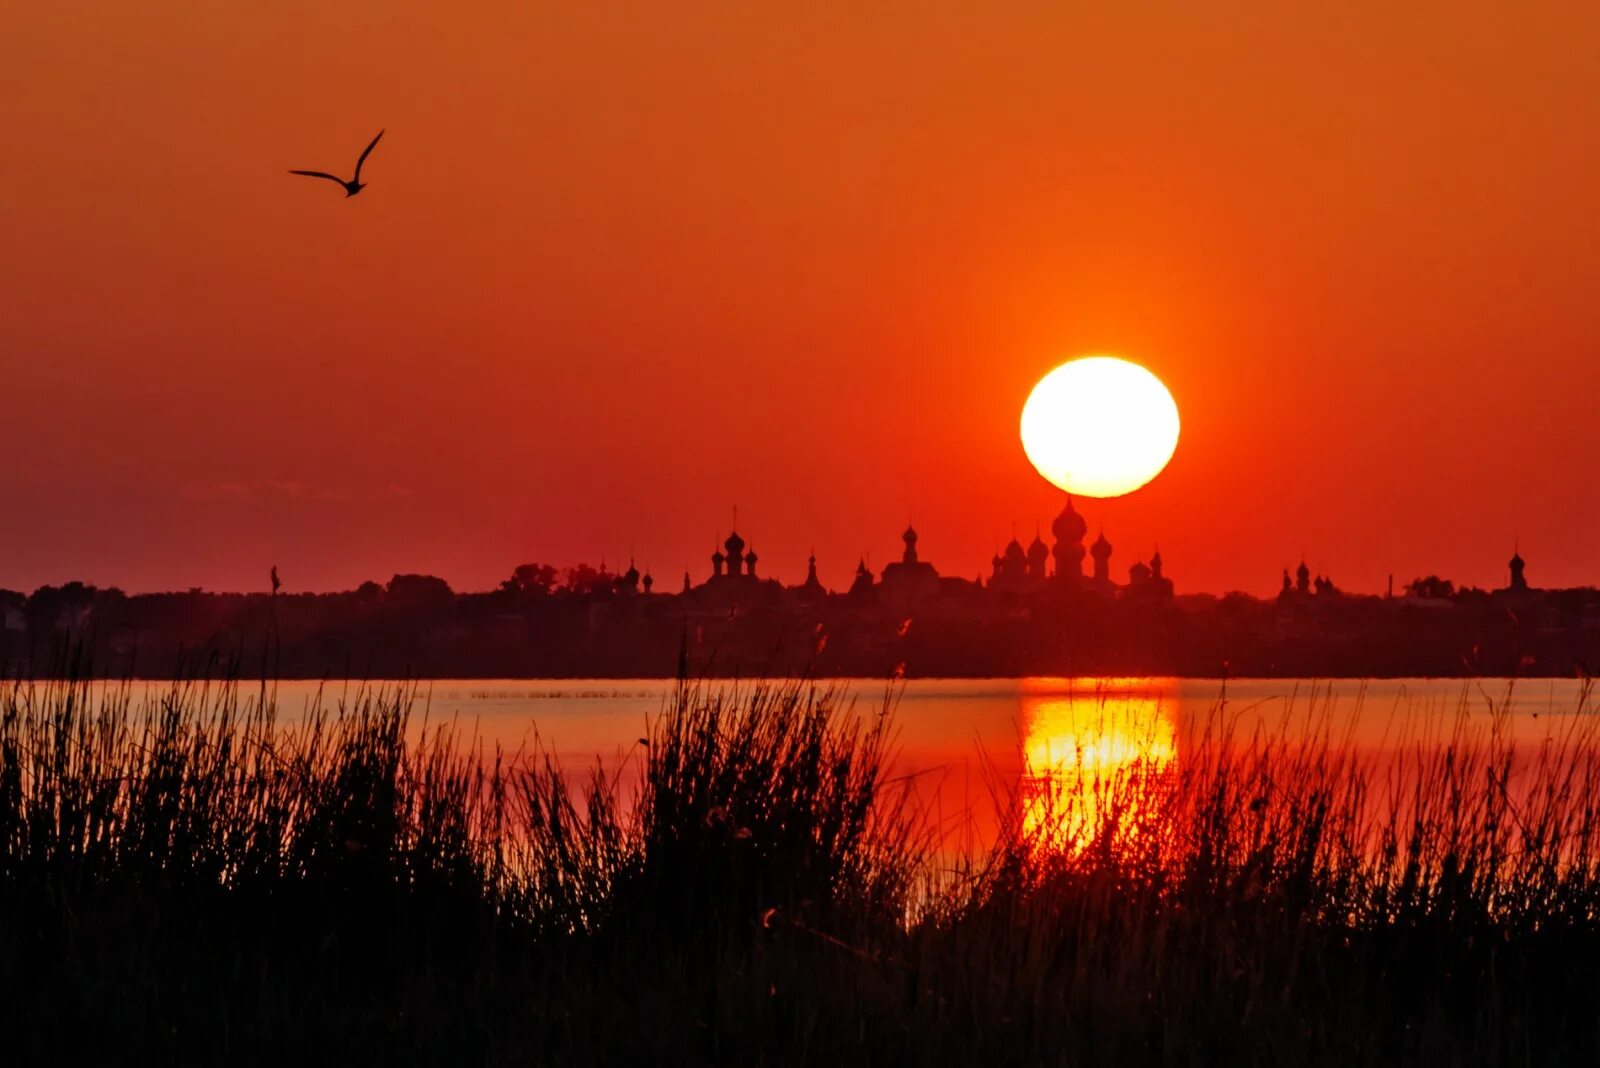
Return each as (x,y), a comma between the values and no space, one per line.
(623,267)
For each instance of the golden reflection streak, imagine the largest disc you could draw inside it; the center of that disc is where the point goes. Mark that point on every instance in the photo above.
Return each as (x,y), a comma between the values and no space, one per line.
(1087,745)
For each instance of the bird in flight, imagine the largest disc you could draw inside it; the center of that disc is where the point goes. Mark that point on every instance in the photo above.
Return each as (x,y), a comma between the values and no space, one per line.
(354,185)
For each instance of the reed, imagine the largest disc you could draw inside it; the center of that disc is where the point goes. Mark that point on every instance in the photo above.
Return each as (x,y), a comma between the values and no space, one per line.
(193,877)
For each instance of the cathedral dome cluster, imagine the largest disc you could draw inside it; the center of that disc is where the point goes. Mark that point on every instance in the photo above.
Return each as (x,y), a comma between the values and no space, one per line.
(736,561)
(1037,567)
(1020,570)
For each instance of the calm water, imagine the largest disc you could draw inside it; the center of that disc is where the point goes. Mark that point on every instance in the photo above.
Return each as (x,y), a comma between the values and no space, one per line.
(976,746)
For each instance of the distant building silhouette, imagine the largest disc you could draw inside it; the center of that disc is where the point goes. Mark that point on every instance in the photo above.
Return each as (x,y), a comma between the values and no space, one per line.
(1011,573)
(811,590)
(1038,559)
(1147,582)
(735,557)
(1519,581)
(1305,589)
(910,579)
(733,561)
(1100,551)
(583,621)
(1069,528)
(733,585)
(862,588)
(1020,571)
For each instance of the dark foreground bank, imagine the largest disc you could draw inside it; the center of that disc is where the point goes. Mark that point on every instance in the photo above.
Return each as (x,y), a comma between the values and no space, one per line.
(198,882)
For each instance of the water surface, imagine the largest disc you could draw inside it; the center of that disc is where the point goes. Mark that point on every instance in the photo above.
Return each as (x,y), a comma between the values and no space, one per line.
(979,751)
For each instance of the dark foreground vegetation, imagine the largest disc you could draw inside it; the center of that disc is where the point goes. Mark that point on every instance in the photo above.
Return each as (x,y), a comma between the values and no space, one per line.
(195,881)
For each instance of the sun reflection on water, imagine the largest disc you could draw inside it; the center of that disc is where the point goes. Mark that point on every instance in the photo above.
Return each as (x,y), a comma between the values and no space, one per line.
(1088,745)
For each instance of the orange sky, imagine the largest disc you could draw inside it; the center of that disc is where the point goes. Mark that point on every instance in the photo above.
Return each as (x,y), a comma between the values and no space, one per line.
(622,267)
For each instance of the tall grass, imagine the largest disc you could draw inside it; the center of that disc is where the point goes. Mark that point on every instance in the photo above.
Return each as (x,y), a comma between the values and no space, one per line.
(191,878)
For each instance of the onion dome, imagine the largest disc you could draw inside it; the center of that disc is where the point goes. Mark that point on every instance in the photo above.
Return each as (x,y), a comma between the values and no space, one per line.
(1069,526)
(1518,567)
(1014,551)
(1037,549)
(648,582)
(910,536)
(734,544)
(1101,549)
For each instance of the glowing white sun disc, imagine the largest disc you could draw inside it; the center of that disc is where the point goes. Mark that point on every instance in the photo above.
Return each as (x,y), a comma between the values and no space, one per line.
(1099,426)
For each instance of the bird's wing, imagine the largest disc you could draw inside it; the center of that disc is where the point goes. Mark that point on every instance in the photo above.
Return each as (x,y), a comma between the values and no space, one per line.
(321,174)
(367,153)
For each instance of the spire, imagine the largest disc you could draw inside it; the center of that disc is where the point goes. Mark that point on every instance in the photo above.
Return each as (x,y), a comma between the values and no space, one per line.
(811,589)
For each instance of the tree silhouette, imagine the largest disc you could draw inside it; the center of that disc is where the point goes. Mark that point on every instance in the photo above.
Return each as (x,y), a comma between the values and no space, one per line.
(1433,586)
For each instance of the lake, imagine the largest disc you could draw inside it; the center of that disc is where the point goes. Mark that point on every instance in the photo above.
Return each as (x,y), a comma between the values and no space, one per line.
(978,750)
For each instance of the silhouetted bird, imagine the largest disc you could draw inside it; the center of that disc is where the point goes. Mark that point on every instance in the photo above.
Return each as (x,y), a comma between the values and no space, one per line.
(354,185)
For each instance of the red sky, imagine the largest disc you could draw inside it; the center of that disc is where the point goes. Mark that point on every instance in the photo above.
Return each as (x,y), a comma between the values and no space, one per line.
(623,267)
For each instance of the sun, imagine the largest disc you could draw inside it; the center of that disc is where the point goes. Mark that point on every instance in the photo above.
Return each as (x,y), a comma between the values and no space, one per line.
(1099,426)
